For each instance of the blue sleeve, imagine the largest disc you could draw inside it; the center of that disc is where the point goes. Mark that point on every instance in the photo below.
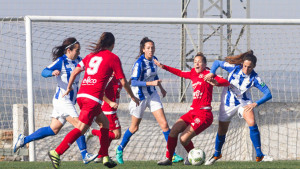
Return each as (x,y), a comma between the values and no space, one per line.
(258,83)
(56,65)
(47,72)
(137,83)
(136,71)
(224,65)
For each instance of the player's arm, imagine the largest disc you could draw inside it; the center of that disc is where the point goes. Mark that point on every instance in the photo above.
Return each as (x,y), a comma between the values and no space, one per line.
(186,75)
(111,103)
(119,74)
(53,69)
(258,83)
(217,63)
(75,72)
(221,81)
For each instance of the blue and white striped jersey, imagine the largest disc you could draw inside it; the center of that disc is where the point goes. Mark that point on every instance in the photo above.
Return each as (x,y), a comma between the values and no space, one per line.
(65,66)
(144,70)
(240,84)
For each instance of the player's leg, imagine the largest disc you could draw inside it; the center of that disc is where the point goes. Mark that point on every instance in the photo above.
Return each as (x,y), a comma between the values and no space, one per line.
(102,120)
(177,128)
(86,157)
(255,136)
(41,133)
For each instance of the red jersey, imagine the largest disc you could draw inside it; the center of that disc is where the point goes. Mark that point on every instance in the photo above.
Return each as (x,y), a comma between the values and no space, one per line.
(202,94)
(98,69)
(112,92)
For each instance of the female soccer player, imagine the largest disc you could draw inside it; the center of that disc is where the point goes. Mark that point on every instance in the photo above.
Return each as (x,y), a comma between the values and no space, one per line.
(109,108)
(236,98)
(143,81)
(99,66)
(65,59)
(200,116)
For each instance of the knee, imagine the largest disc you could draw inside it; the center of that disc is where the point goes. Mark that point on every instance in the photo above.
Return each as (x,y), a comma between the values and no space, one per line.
(117,135)
(183,141)
(251,123)
(55,131)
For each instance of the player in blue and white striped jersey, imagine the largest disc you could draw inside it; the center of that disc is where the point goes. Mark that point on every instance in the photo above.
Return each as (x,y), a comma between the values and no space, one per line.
(65,59)
(236,98)
(143,81)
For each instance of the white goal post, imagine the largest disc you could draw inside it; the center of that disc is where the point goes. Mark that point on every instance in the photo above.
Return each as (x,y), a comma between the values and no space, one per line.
(265,34)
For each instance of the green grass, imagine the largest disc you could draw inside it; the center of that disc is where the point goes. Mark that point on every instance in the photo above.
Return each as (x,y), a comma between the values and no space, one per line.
(151,165)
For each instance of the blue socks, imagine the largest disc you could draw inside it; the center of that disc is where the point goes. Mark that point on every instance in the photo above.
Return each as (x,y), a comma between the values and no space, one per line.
(82,145)
(255,138)
(39,134)
(166,134)
(125,140)
(220,140)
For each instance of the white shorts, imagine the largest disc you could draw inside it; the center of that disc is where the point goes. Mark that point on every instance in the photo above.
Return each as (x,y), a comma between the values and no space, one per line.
(226,113)
(153,102)
(62,108)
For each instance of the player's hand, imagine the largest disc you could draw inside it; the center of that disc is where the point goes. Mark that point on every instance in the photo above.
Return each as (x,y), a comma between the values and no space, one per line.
(136,100)
(55,73)
(155,82)
(163,92)
(67,92)
(208,77)
(158,63)
(249,107)
(212,82)
(113,105)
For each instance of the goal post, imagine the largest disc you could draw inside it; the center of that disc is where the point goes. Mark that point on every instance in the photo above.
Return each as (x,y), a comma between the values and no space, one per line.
(273,42)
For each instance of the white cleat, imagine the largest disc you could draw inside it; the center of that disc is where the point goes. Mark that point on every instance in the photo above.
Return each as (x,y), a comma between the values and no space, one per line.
(89,157)
(19,143)
(164,162)
(212,160)
(264,158)
(186,161)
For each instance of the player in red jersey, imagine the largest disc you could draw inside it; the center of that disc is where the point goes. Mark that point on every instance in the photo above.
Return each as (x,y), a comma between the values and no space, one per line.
(99,66)
(109,108)
(200,116)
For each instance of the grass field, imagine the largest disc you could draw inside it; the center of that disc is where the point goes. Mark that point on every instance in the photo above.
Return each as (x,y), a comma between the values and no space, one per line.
(151,165)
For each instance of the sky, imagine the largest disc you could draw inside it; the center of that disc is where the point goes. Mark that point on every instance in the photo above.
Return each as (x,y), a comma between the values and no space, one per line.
(281,9)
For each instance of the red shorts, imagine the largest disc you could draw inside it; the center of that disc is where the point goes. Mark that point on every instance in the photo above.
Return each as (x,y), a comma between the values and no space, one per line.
(198,119)
(113,121)
(88,110)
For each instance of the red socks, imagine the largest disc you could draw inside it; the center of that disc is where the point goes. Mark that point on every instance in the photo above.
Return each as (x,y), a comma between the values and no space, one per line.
(68,141)
(189,147)
(171,145)
(104,142)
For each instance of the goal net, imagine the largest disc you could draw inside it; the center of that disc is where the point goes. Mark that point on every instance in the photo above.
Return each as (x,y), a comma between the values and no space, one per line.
(275,45)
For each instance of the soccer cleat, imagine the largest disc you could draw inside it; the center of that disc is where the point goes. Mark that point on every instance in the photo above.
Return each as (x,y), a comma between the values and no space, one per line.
(89,157)
(55,159)
(88,134)
(176,158)
(98,160)
(108,162)
(264,158)
(164,162)
(19,143)
(119,156)
(212,160)
(186,161)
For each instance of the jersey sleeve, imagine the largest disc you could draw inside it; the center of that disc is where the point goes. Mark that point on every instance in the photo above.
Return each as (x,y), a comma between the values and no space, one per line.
(82,63)
(136,71)
(221,81)
(186,75)
(258,83)
(56,65)
(117,68)
(224,65)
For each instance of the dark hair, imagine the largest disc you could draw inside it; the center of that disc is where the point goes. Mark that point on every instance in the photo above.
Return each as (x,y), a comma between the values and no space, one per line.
(142,45)
(105,41)
(59,51)
(200,54)
(239,59)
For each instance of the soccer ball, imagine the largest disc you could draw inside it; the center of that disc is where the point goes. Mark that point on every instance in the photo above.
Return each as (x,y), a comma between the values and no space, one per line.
(196,156)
